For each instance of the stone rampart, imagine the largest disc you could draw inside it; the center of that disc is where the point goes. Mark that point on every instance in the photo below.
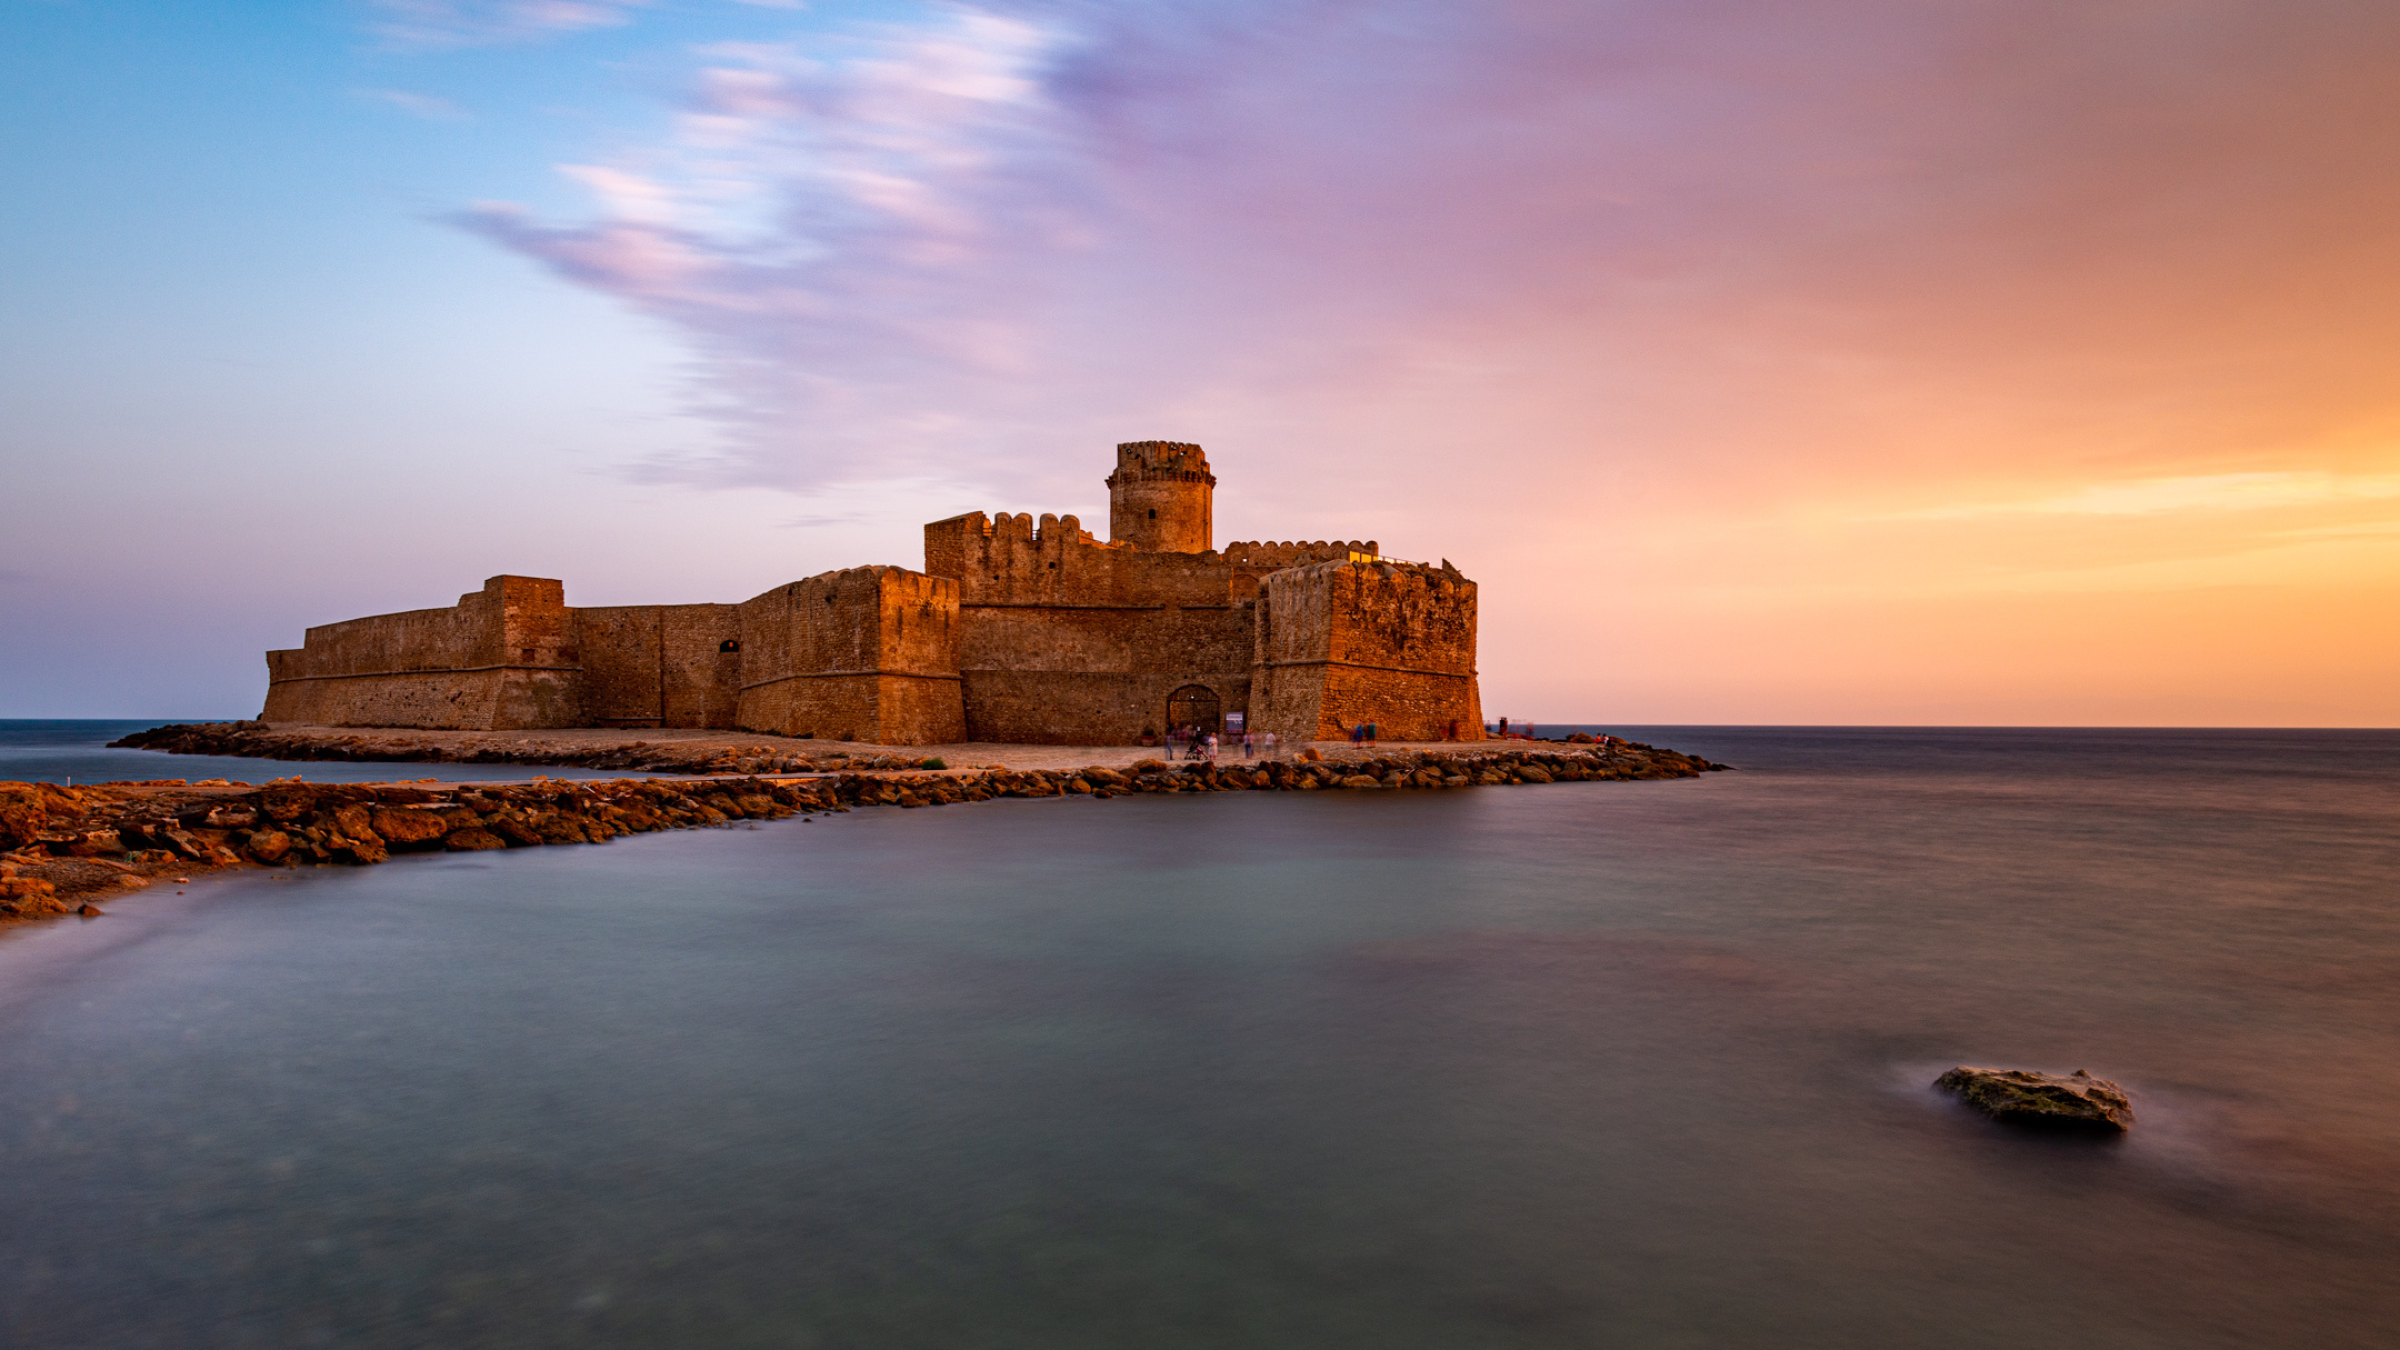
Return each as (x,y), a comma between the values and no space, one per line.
(501,657)
(660,665)
(867,654)
(1391,643)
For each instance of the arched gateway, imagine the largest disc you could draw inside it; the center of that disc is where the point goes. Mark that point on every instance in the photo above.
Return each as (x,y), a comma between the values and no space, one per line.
(1194,705)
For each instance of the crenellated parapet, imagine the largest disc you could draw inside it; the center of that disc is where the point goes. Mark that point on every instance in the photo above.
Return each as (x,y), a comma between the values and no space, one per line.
(1027,560)
(1270,557)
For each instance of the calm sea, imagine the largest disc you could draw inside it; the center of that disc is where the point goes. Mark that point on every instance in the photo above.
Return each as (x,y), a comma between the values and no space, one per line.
(1628,1064)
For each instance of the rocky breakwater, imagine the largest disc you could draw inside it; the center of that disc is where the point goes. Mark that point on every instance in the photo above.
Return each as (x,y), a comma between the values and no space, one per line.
(66,847)
(61,848)
(1416,770)
(257,740)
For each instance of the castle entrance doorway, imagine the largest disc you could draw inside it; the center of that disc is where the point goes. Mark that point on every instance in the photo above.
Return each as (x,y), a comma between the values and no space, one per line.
(1194,705)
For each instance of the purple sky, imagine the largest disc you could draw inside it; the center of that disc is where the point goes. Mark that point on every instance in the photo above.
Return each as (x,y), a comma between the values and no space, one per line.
(1782,362)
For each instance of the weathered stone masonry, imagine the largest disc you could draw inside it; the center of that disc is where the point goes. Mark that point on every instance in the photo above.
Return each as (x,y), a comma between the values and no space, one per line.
(1017,630)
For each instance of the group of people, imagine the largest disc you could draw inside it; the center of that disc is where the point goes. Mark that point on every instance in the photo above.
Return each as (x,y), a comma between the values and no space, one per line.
(1190,742)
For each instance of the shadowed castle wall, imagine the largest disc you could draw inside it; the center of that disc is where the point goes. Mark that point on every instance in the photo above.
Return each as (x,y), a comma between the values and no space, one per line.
(867,654)
(1340,643)
(660,665)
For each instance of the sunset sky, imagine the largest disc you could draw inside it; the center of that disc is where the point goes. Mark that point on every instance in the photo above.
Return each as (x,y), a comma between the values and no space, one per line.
(1829,361)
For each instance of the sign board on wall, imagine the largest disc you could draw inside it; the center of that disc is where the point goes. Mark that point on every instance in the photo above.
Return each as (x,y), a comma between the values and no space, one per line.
(1233,721)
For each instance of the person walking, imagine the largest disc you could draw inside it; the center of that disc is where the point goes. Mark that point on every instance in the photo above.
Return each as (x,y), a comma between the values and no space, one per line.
(1212,749)
(1249,744)
(1270,745)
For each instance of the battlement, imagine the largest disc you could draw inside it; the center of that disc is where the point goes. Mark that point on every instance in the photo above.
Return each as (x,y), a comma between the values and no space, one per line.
(1254,556)
(1161,462)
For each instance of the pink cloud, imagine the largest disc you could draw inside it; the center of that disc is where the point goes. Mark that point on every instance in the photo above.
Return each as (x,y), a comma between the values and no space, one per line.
(1562,238)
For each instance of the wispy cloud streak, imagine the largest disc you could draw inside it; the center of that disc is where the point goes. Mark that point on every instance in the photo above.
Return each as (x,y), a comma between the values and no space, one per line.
(1567,240)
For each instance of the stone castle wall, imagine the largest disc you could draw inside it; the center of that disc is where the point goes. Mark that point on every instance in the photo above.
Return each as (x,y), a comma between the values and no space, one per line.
(1018,630)
(503,656)
(866,654)
(1065,639)
(660,665)
(1340,643)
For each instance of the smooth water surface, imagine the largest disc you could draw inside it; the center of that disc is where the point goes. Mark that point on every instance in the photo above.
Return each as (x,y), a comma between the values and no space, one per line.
(76,751)
(1635,1064)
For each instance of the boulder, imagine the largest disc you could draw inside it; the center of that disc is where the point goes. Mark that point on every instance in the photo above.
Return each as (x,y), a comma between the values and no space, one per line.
(23,814)
(356,821)
(513,830)
(28,898)
(270,846)
(2022,1097)
(183,842)
(557,827)
(97,844)
(471,839)
(1360,780)
(408,827)
(285,803)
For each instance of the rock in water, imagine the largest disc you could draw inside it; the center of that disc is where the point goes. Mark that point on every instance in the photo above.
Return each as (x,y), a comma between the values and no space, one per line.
(2021,1097)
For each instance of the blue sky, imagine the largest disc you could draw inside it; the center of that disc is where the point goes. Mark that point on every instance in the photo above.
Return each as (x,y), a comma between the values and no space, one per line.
(1839,360)
(251,364)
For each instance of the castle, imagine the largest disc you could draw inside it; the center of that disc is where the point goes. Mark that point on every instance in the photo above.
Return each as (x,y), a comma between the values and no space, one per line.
(1015,631)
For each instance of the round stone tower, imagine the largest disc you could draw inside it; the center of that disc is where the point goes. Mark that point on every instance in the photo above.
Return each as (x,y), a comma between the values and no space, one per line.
(1160,498)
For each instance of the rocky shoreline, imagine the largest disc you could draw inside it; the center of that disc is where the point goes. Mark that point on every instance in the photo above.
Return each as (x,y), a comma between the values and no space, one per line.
(63,848)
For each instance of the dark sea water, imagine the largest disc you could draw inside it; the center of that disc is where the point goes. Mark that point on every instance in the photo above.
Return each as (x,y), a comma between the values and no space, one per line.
(77,752)
(1626,1064)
